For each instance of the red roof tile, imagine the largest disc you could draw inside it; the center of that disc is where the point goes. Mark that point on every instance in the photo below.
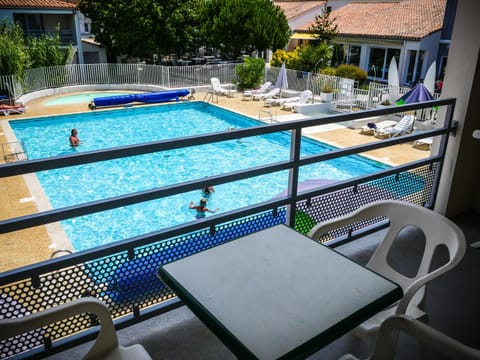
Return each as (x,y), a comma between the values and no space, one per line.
(43,4)
(295,8)
(404,19)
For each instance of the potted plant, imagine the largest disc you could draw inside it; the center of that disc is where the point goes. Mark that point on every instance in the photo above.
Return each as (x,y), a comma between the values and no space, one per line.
(326,93)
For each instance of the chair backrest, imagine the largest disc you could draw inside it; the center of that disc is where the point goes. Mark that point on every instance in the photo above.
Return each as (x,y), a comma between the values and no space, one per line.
(264,87)
(304,97)
(215,83)
(271,93)
(106,342)
(437,229)
(405,123)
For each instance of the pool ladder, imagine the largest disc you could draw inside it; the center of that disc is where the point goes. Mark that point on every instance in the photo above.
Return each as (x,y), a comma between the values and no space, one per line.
(271,119)
(211,96)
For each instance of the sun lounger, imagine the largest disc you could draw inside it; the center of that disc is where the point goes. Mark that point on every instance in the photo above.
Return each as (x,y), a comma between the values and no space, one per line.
(302,99)
(422,143)
(271,94)
(402,127)
(261,90)
(12,109)
(371,128)
(278,101)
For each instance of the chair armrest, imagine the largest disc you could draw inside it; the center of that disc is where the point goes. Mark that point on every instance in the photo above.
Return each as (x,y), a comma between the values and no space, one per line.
(423,333)
(106,340)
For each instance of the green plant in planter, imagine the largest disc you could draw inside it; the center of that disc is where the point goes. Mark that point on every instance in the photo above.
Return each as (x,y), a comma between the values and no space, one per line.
(326,89)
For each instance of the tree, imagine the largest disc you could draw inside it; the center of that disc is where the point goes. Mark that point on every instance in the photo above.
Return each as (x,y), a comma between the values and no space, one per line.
(14,57)
(47,50)
(324,28)
(142,28)
(314,57)
(236,25)
(305,57)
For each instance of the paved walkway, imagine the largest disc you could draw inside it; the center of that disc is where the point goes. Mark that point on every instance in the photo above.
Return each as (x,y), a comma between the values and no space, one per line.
(36,244)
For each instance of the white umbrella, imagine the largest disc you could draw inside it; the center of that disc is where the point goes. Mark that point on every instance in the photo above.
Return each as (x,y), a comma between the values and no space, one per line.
(393,80)
(282,81)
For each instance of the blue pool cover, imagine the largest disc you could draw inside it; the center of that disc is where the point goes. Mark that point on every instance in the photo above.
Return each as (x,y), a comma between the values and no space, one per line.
(153,97)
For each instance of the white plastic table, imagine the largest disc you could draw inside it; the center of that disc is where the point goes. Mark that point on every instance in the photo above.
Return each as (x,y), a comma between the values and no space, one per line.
(277,293)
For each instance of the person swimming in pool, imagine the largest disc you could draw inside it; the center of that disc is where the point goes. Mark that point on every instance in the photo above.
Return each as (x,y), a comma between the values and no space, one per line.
(74,140)
(207,191)
(201,208)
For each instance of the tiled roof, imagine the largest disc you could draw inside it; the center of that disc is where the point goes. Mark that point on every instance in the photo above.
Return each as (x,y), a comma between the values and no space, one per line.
(405,19)
(295,8)
(37,4)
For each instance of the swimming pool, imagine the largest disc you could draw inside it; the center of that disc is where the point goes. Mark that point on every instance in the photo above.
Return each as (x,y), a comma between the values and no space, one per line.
(82,98)
(48,136)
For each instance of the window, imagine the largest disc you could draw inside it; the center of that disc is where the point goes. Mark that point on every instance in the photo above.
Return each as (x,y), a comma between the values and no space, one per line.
(352,54)
(380,61)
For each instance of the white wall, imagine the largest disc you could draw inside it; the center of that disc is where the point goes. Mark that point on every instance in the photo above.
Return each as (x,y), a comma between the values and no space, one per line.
(459,186)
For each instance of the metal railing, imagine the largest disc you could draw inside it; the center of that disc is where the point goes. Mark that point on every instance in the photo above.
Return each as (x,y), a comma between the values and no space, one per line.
(347,95)
(123,274)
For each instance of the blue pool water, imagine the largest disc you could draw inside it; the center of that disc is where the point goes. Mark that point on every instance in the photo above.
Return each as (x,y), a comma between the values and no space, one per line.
(81,98)
(48,136)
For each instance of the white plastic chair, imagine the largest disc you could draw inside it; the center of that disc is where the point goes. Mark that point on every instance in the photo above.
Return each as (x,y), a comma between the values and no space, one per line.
(106,345)
(437,229)
(424,334)
(219,90)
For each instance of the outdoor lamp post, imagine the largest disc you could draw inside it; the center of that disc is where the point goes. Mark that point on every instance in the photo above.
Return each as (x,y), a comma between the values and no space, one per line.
(315,74)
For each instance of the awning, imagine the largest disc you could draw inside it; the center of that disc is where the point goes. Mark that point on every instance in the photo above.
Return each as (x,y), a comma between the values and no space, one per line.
(302,36)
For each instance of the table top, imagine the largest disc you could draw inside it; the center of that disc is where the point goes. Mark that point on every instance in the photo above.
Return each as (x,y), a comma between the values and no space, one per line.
(277,293)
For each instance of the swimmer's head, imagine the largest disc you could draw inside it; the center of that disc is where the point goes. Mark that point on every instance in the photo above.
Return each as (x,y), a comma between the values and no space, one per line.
(203,202)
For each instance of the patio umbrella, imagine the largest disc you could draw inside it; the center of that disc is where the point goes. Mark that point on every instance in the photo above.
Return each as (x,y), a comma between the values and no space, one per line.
(418,93)
(282,81)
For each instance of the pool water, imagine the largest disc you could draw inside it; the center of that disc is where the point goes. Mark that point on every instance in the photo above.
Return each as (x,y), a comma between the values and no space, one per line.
(48,136)
(82,98)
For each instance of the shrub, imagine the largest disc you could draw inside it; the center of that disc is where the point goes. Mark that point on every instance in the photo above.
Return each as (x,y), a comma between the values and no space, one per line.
(250,73)
(291,59)
(328,71)
(352,72)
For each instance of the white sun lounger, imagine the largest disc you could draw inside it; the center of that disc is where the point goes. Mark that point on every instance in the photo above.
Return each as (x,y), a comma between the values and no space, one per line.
(402,127)
(426,142)
(382,124)
(261,90)
(278,101)
(302,99)
(271,94)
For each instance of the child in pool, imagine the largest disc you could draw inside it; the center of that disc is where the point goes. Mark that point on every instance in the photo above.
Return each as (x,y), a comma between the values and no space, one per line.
(201,208)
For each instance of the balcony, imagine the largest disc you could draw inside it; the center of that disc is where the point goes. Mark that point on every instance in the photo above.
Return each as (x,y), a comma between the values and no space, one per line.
(134,294)
(452,302)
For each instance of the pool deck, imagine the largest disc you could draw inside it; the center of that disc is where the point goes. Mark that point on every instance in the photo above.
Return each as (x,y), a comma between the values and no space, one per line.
(37,244)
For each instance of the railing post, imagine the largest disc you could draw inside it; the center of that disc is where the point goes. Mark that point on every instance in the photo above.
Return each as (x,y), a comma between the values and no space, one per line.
(296,141)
